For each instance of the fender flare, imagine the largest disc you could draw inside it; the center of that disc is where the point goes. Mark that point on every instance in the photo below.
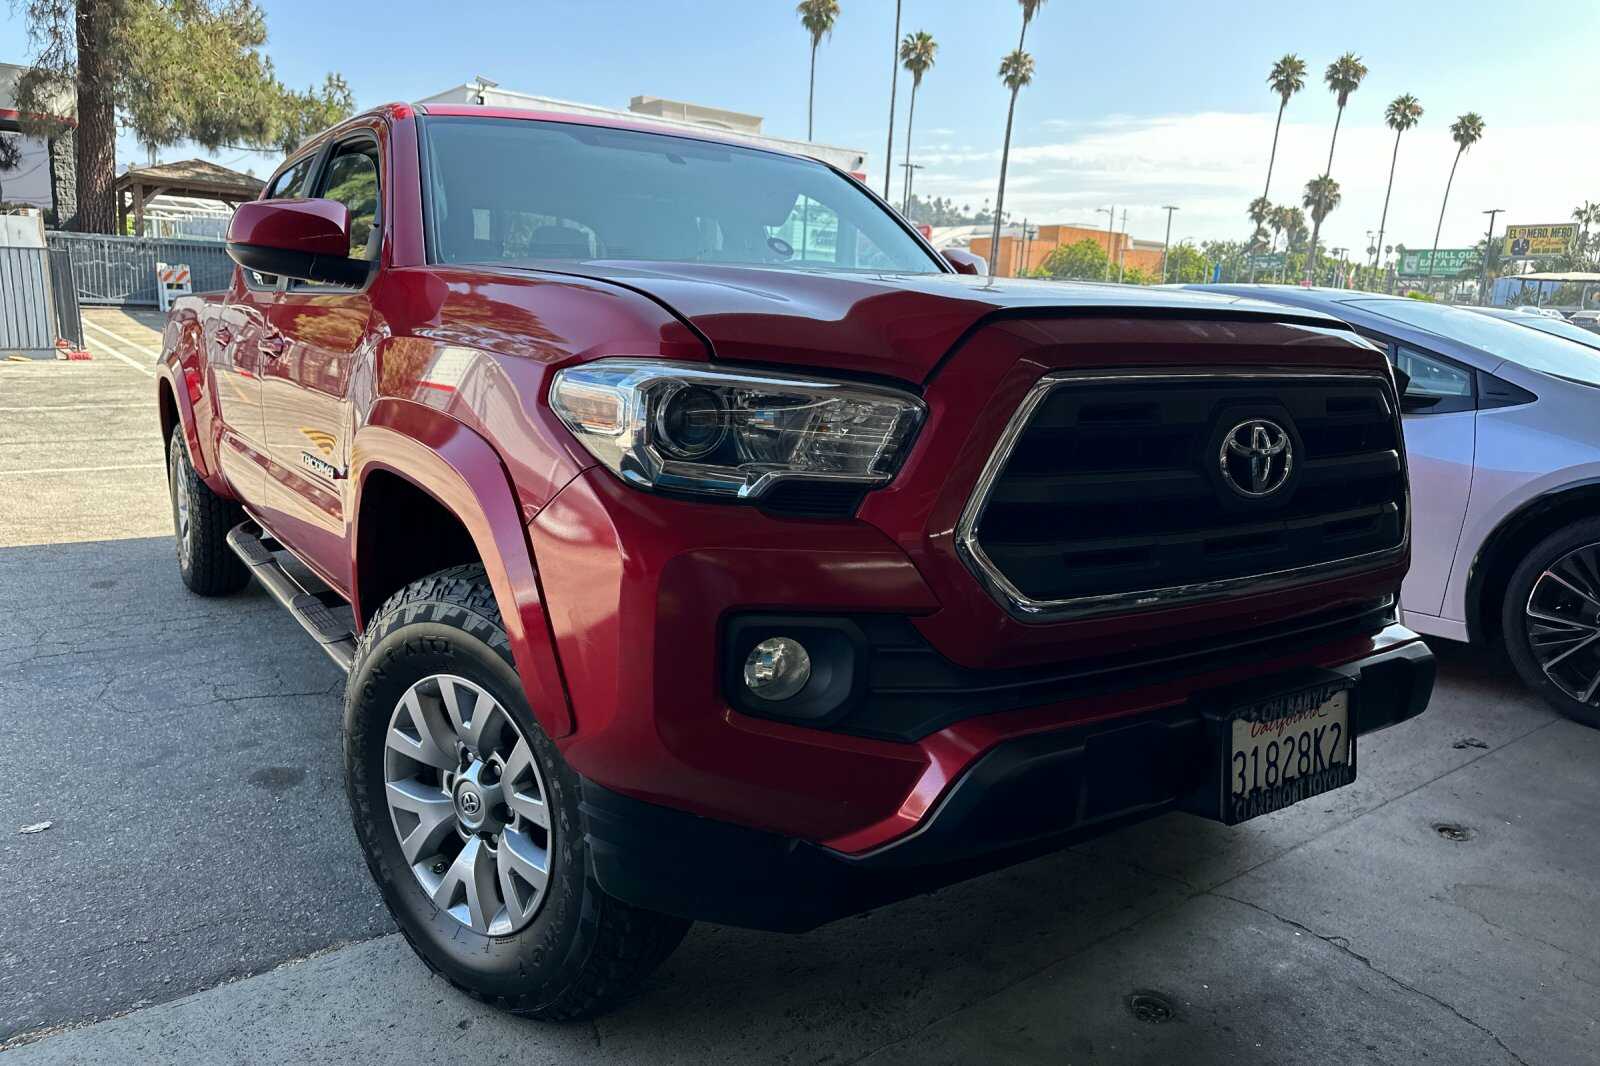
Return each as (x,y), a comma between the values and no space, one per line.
(463,473)
(173,379)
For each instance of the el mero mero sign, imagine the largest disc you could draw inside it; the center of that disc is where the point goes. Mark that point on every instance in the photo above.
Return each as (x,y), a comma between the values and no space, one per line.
(1539,242)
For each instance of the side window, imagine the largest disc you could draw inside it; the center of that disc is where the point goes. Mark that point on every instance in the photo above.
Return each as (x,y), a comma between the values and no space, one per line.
(1435,386)
(291,182)
(352,180)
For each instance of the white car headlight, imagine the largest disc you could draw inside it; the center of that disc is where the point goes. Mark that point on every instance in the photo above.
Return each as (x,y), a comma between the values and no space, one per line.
(694,427)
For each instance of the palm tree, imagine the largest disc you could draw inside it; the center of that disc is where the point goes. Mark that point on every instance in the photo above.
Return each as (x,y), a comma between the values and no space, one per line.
(917,52)
(818,17)
(1259,211)
(1402,113)
(1288,77)
(1466,131)
(1016,70)
(1322,196)
(1586,216)
(1030,8)
(1343,77)
(1277,222)
(894,83)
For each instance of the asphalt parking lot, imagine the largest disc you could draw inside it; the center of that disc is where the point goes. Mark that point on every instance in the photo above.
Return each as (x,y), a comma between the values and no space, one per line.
(199,897)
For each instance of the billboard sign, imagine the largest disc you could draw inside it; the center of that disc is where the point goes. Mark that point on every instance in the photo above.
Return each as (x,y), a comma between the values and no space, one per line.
(1539,242)
(1447,264)
(1267,261)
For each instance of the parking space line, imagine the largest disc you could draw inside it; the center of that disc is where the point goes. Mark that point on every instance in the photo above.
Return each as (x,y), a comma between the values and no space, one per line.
(81,469)
(140,346)
(140,367)
(39,408)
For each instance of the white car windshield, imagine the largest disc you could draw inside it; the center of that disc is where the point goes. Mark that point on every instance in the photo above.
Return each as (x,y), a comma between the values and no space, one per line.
(1512,341)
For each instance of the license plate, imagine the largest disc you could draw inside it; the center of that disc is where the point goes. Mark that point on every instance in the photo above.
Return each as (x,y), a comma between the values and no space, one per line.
(1286,749)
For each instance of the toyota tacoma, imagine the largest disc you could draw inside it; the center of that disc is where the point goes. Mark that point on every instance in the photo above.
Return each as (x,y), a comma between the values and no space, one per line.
(702,544)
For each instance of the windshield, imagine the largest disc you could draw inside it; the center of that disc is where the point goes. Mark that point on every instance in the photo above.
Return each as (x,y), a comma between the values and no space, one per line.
(1532,348)
(512,189)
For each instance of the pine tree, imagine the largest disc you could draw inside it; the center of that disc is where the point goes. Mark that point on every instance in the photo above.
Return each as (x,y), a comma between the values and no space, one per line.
(173,71)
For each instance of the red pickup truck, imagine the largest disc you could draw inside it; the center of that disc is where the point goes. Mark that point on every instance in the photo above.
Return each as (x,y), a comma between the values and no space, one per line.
(702,544)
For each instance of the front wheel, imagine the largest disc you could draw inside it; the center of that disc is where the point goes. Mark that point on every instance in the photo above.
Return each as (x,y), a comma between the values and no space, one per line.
(468,815)
(1551,620)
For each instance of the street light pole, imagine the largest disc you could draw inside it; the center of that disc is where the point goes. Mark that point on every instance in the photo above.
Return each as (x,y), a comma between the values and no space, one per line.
(1122,253)
(1166,241)
(1488,240)
(911,172)
(1111,221)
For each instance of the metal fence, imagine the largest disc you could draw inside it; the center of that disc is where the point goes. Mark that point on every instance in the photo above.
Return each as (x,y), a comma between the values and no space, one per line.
(69,320)
(25,301)
(122,270)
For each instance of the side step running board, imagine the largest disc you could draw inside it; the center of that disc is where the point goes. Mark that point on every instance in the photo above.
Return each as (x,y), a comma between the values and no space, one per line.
(319,610)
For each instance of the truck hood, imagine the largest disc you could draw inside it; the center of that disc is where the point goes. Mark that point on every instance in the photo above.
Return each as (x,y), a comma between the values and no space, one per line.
(893,325)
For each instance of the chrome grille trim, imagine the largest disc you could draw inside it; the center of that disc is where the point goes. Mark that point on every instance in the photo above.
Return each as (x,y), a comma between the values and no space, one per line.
(1026,609)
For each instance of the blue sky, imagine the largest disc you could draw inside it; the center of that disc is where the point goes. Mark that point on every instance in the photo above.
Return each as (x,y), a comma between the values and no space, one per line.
(1134,103)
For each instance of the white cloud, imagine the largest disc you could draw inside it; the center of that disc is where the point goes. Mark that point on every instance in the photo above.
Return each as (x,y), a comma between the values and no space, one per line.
(1212,164)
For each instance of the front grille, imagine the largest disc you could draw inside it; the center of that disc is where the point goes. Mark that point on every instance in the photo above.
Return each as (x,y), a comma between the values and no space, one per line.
(1109,492)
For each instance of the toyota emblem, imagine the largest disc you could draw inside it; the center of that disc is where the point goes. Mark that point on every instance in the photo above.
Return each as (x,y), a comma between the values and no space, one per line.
(1256,458)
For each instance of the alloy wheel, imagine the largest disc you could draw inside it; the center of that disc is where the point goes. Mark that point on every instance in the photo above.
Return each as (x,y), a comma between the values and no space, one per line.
(180,508)
(1563,622)
(468,804)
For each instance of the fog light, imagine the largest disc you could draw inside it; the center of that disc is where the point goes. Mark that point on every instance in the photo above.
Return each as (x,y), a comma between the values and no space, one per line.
(777,668)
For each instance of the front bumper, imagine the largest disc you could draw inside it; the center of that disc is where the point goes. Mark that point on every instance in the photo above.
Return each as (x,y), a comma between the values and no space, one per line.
(1023,797)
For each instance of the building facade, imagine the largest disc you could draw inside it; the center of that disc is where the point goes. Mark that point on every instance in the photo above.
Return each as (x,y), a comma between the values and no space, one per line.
(1021,254)
(37,172)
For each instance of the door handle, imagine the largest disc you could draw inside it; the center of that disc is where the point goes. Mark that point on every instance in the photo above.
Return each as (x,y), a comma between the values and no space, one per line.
(224,336)
(273,346)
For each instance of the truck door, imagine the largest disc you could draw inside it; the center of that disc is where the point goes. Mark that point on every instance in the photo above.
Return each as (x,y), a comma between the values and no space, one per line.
(231,332)
(233,335)
(314,340)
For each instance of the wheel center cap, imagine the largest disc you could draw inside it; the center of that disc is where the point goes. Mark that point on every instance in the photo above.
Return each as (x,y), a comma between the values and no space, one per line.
(469,805)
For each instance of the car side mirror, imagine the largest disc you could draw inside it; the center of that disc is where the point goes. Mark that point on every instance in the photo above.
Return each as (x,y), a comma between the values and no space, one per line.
(304,239)
(966,262)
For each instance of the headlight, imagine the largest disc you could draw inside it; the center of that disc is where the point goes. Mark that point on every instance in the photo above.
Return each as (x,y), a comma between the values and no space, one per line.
(696,428)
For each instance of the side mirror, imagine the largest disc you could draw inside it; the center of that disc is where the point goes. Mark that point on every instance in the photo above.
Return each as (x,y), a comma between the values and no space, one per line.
(966,262)
(304,239)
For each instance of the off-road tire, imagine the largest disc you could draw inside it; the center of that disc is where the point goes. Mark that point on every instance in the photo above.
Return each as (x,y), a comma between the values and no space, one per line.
(205,562)
(583,951)
(1513,618)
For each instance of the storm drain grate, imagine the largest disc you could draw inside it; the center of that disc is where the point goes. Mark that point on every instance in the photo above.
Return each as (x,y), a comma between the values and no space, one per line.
(1150,1006)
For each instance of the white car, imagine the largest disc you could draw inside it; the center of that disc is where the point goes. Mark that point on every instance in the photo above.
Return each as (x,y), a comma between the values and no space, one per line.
(1547,312)
(1502,431)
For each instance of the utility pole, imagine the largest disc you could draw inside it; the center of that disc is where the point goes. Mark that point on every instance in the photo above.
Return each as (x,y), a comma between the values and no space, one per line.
(1111,221)
(1488,241)
(1122,253)
(1027,238)
(894,83)
(1166,241)
(910,169)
